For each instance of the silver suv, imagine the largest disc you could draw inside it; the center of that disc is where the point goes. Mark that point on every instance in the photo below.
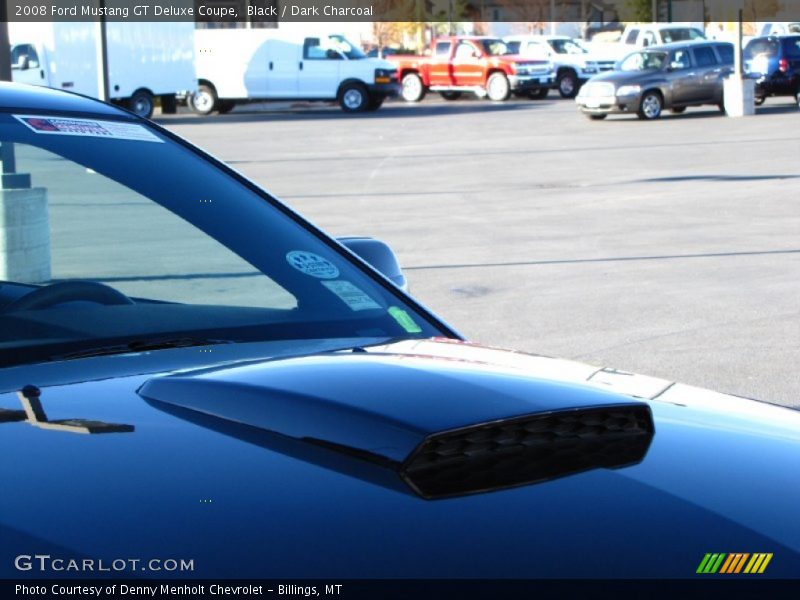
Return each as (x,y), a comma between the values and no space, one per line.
(672,76)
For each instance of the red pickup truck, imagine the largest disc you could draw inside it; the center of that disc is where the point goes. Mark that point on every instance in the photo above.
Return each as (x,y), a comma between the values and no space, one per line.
(484,66)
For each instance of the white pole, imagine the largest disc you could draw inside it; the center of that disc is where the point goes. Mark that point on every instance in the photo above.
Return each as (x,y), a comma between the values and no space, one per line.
(101,45)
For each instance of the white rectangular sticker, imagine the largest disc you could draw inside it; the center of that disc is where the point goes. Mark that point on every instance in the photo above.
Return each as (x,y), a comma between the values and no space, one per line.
(354,297)
(113,130)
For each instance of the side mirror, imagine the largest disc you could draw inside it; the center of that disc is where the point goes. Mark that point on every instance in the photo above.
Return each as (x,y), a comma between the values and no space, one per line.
(379,256)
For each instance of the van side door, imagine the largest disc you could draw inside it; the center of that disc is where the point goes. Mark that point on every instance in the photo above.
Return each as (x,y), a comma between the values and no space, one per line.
(282,68)
(318,77)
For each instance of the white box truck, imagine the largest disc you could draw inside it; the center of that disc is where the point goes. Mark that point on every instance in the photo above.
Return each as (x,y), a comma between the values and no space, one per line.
(245,65)
(146,61)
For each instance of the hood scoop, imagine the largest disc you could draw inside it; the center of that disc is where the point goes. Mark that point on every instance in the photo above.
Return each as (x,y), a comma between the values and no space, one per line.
(445,427)
(528,450)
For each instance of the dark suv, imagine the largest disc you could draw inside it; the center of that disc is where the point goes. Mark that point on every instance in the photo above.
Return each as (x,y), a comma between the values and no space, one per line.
(776,62)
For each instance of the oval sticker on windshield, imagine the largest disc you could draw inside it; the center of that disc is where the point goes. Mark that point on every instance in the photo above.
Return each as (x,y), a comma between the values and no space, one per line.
(312,264)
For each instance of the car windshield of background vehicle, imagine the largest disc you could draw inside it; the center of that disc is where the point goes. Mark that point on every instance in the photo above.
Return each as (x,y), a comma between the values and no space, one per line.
(170,245)
(644,61)
(495,47)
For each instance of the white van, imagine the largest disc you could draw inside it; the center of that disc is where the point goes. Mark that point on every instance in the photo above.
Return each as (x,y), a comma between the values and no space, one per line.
(145,60)
(244,65)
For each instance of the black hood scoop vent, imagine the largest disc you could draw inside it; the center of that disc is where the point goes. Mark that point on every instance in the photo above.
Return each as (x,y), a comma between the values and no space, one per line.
(439,428)
(528,450)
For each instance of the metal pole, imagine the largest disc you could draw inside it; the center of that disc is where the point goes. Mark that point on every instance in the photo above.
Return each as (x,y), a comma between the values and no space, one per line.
(654,11)
(102,55)
(739,40)
(7,156)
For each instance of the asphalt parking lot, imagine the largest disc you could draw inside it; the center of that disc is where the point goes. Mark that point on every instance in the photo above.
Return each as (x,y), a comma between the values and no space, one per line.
(669,248)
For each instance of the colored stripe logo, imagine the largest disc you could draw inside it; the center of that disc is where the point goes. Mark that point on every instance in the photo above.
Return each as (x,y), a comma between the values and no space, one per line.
(734,563)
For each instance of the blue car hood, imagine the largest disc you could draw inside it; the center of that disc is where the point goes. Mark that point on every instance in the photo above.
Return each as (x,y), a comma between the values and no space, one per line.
(294,467)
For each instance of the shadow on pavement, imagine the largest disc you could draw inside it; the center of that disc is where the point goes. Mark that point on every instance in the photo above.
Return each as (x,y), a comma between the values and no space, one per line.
(324,112)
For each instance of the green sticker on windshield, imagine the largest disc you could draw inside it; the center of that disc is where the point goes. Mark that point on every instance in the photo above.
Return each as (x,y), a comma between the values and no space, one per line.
(404,319)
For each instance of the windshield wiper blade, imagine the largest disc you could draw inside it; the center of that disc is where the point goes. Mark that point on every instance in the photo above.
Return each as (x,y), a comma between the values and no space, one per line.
(142,345)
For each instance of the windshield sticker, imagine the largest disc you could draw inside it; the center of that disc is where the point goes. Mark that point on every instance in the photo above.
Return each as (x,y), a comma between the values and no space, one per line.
(354,297)
(404,319)
(312,264)
(114,130)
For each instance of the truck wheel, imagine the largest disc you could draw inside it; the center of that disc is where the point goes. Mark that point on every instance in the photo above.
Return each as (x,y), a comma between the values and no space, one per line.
(497,87)
(568,84)
(353,97)
(225,106)
(204,100)
(375,102)
(759,100)
(413,88)
(539,94)
(451,95)
(651,106)
(142,103)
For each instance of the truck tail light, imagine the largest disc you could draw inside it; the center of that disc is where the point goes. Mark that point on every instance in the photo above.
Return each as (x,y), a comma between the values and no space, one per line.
(783,65)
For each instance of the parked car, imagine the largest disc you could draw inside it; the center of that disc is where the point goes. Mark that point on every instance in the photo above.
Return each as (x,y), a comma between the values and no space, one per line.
(775,61)
(236,66)
(194,376)
(484,66)
(644,35)
(573,63)
(673,76)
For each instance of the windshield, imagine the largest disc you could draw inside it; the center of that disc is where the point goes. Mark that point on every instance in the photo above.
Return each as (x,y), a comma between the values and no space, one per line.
(566,47)
(495,47)
(681,34)
(116,233)
(644,61)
